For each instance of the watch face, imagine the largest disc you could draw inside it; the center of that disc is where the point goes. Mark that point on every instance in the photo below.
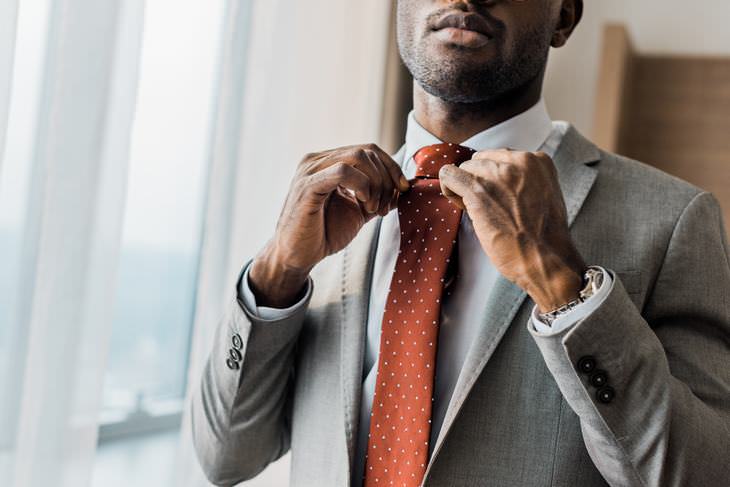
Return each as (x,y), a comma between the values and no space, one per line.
(594,279)
(599,280)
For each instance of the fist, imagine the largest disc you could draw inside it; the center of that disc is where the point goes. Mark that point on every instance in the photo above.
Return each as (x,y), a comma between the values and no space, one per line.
(516,206)
(331,196)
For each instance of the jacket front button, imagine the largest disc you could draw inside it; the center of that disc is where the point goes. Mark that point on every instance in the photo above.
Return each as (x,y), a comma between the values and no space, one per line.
(237,342)
(587,364)
(605,394)
(232,364)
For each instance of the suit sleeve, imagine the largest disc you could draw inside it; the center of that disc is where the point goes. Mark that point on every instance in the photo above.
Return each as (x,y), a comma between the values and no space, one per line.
(241,411)
(652,388)
(248,300)
(575,315)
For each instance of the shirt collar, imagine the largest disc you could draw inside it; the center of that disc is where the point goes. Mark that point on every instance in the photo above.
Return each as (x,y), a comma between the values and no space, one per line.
(526,131)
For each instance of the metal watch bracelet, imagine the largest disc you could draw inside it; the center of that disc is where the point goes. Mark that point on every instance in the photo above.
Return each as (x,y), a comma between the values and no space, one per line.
(592,280)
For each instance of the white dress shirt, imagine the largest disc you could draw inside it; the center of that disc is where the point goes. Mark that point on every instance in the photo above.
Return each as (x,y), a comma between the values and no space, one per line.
(531,130)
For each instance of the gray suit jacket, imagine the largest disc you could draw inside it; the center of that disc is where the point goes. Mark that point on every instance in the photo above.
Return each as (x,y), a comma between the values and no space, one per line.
(523,413)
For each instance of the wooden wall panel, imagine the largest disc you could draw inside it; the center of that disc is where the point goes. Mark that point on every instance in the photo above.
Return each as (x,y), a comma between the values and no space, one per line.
(680,120)
(674,115)
(398,96)
(614,77)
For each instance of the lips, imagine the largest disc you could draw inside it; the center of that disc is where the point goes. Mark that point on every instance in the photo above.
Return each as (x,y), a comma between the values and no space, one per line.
(464,21)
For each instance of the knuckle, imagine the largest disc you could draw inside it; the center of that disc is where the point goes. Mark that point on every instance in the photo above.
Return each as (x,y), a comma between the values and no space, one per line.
(466,165)
(479,188)
(340,169)
(542,158)
(510,172)
(524,158)
(472,200)
(305,168)
(309,156)
(309,181)
(551,169)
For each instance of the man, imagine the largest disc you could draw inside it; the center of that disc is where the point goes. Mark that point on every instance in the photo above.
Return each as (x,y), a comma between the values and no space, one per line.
(534,312)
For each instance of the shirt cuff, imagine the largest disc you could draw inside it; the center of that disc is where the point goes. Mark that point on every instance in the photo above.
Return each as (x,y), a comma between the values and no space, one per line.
(248,300)
(576,314)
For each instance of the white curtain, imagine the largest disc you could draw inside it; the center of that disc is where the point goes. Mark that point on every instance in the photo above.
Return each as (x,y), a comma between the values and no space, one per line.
(62,191)
(293,76)
(313,77)
(8,21)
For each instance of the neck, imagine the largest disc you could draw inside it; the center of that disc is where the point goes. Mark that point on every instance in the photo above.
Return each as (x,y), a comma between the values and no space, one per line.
(456,122)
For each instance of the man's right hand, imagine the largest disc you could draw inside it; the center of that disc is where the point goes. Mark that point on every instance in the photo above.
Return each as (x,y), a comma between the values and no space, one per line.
(332,195)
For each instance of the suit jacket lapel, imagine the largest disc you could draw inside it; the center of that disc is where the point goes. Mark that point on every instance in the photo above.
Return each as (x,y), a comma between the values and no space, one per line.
(576,175)
(357,268)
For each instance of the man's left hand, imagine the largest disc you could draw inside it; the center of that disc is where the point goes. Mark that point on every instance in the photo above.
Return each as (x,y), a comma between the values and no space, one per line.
(516,206)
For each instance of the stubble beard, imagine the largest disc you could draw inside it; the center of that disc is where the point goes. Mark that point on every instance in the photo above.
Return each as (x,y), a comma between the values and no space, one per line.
(459,82)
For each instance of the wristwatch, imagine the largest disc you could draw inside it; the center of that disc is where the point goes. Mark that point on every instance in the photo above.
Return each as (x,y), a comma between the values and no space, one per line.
(592,280)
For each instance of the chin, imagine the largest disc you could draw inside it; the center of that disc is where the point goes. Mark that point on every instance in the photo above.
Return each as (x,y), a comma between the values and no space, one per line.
(452,95)
(458,82)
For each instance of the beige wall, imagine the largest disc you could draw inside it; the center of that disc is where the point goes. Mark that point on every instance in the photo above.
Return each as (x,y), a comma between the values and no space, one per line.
(658,26)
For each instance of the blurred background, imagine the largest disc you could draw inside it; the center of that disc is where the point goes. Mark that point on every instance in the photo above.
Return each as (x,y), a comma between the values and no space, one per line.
(146,147)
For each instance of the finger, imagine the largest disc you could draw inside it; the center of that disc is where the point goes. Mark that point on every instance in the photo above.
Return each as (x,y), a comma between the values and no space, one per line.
(497,155)
(539,160)
(479,167)
(396,197)
(393,202)
(509,156)
(456,182)
(387,183)
(395,171)
(453,197)
(324,182)
(359,157)
(374,162)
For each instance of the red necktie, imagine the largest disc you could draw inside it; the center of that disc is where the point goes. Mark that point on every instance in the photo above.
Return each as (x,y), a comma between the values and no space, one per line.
(400,420)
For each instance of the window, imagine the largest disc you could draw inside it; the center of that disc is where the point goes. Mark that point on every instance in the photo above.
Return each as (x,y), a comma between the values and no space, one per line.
(15,180)
(146,374)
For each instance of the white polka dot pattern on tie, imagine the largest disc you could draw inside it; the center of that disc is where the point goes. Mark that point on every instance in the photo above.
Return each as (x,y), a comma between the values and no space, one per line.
(400,423)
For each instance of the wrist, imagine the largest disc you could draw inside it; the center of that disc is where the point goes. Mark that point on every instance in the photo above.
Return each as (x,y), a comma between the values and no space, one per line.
(554,280)
(275,283)
(562,288)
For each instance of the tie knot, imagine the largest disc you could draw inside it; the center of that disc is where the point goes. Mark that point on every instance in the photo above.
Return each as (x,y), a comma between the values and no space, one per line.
(430,159)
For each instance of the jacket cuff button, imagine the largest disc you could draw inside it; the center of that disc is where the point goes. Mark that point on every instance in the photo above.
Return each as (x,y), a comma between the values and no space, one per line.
(232,364)
(599,378)
(237,342)
(587,364)
(235,355)
(605,394)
